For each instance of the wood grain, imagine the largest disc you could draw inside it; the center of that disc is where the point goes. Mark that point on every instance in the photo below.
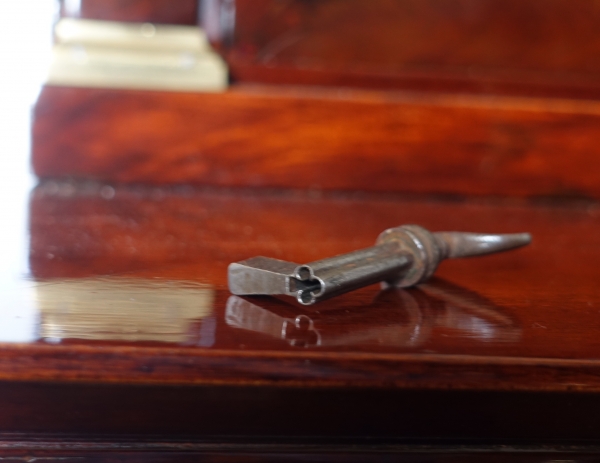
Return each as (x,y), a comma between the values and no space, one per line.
(495,360)
(499,350)
(489,46)
(534,296)
(330,140)
(184,12)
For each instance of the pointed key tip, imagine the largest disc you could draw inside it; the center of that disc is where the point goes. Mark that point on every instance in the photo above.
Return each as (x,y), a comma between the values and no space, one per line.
(457,244)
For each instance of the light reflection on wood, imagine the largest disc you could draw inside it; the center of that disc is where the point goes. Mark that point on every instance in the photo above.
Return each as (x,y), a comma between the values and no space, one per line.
(123,309)
(401,318)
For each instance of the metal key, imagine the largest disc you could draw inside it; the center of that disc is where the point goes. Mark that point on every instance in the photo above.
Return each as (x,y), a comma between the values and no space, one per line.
(403,256)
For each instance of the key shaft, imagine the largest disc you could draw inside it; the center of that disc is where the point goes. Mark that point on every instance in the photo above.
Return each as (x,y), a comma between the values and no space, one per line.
(402,256)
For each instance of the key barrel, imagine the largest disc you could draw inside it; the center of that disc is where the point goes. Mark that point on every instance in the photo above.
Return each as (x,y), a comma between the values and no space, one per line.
(402,256)
(337,275)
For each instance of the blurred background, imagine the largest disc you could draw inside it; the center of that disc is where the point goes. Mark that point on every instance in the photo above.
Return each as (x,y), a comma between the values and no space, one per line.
(25,44)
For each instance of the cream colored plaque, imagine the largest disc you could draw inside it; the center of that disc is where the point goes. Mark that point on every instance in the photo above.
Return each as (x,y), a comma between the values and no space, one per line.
(134,56)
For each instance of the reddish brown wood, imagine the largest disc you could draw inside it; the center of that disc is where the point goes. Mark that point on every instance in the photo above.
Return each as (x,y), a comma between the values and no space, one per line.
(444,80)
(452,45)
(511,366)
(554,35)
(183,12)
(322,140)
(496,360)
(534,296)
(513,338)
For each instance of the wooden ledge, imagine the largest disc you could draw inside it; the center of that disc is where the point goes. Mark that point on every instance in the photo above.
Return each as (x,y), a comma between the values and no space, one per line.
(321,139)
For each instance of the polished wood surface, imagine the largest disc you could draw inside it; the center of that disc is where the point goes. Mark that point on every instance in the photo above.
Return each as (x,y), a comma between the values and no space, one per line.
(184,12)
(484,46)
(119,340)
(321,139)
(490,323)
(132,332)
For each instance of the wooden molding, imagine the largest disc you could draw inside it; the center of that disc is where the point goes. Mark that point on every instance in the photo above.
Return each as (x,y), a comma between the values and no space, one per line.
(321,139)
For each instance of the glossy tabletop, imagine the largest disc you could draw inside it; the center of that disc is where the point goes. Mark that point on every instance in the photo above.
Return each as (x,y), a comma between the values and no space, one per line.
(128,284)
(119,338)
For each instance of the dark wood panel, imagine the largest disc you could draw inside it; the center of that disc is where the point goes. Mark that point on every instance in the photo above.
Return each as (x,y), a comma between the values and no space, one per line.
(113,452)
(262,137)
(257,420)
(441,80)
(549,35)
(183,12)
(452,45)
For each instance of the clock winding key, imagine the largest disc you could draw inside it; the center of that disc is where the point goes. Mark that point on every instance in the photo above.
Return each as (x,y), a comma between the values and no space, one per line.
(402,256)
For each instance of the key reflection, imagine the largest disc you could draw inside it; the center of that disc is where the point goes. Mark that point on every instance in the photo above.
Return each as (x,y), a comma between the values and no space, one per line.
(396,318)
(123,309)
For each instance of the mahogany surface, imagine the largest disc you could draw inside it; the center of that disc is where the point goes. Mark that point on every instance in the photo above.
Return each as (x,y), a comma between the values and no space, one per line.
(321,139)
(183,12)
(514,306)
(496,351)
(485,46)
(120,342)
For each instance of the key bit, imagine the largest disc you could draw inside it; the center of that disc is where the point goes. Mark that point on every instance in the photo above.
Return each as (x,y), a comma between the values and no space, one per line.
(402,256)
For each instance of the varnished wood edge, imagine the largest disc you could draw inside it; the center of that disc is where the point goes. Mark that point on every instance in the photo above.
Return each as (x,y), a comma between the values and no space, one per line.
(294,369)
(450,100)
(13,444)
